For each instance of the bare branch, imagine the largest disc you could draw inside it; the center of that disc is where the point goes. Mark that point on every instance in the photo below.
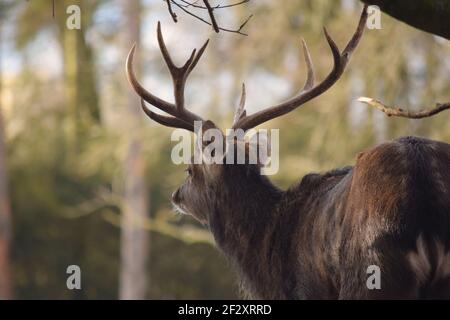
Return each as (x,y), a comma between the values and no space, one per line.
(192,4)
(187,234)
(219,6)
(210,9)
(231,5)
(244,23)
(211,15)
(402,112)
(172,14)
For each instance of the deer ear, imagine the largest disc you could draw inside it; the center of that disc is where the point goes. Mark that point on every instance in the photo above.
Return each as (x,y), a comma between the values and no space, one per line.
(209,136)
(210,144)
(259,147)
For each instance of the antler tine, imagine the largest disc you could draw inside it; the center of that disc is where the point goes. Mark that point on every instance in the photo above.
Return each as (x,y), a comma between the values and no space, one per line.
(310,91)
(198,56)
(179,74)
(354,41)
(240,110)
(337,58)
(142,92)
(162,46)
(243,100)
(165,120)
(179,116)
(309,83)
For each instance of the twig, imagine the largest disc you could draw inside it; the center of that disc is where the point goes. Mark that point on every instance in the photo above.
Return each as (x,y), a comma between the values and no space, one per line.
(172,14)
(244,23)
(401,112)
(219,6)
(104,199)
(238,31)
(192,4)
(211,15)
(231,5)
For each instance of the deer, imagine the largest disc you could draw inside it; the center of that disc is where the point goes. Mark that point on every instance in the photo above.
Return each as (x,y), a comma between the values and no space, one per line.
(316,239)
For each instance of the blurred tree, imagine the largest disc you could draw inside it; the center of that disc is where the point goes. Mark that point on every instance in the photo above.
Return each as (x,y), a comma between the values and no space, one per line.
(79,70)
(80,84)
(6,291)
(134,239)
(63,205)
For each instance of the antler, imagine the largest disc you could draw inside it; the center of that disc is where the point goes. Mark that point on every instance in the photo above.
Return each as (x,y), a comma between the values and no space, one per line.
(309,91)
(179,116)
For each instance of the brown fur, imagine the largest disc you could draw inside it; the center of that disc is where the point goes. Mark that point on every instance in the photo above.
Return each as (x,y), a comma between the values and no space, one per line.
(316,239)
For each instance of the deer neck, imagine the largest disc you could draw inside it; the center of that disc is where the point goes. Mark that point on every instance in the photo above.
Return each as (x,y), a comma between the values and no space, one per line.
(242,220)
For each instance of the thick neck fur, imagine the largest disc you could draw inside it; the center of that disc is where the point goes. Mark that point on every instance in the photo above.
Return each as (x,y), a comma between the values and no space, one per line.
(242,219)
(257,226)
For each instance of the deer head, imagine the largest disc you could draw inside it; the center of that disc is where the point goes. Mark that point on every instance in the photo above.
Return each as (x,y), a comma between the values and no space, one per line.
(197,196)
(315,239)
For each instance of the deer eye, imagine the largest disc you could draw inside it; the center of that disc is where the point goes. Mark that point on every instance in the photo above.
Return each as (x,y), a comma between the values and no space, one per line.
(189,171)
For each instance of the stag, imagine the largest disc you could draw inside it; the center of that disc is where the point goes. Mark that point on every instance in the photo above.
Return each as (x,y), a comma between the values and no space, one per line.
(316,239)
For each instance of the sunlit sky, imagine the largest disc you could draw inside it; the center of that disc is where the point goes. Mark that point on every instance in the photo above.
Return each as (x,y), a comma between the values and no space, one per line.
(44,57)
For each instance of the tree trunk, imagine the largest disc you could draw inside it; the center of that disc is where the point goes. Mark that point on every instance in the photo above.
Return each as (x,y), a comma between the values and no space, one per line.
(427,15)
(134,242)
(82,102)
(5,207)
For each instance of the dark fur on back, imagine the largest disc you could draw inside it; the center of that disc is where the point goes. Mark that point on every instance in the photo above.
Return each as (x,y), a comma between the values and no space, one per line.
(316,239)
